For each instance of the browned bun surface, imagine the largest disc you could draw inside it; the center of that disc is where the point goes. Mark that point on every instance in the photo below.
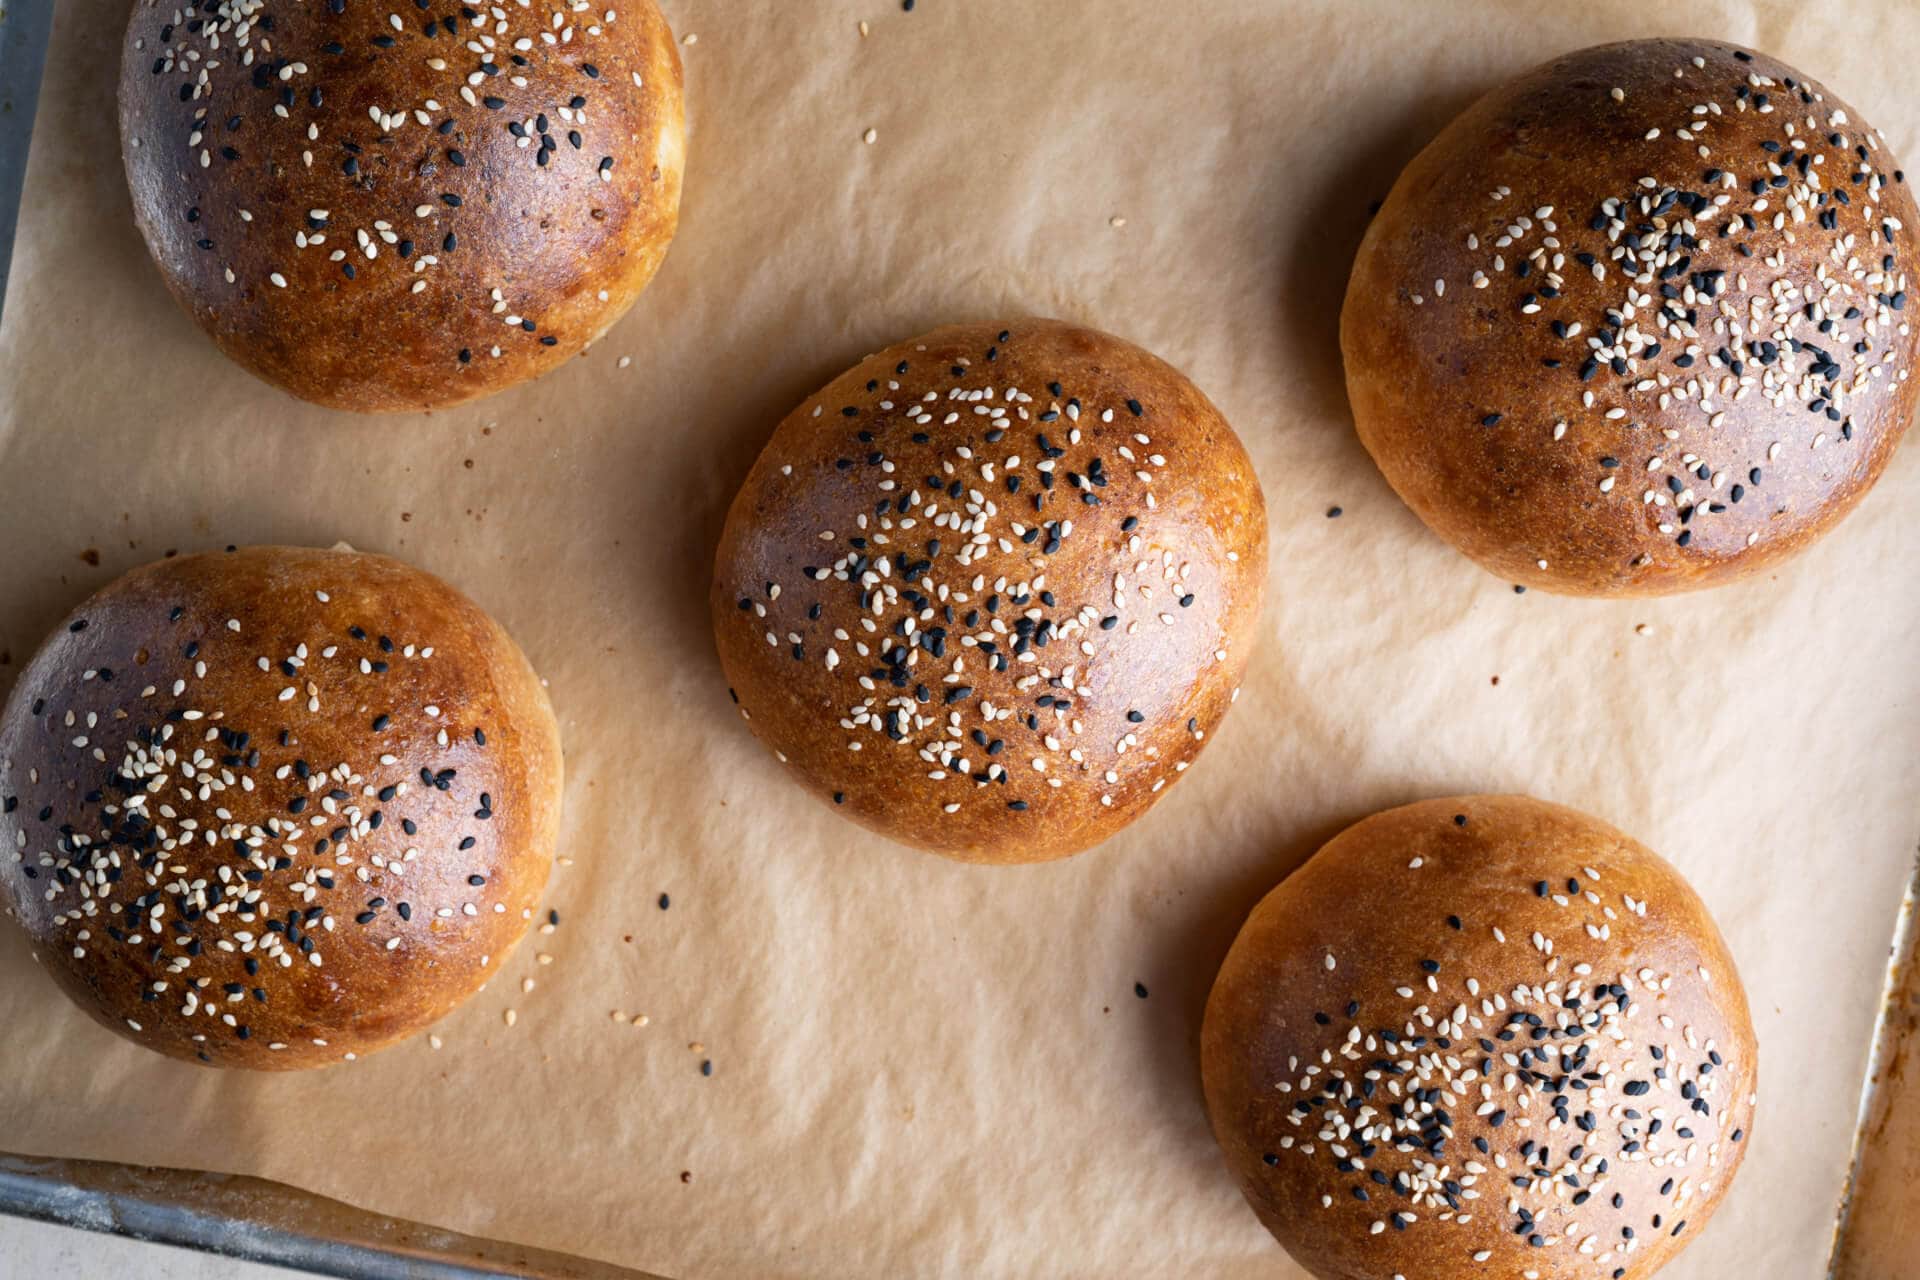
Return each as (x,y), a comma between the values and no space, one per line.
(1637,321)
(402,206)
(1480,1037)
(989,591)
(276,807)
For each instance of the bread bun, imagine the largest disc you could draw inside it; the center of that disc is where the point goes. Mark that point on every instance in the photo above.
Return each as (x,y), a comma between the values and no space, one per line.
(276,807)
(1480,1037)
(402,206)
(989,591)
(1637,322)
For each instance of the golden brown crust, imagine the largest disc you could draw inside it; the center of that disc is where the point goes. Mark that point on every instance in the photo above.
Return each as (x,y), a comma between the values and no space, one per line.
(1529,960)
(1746,425)
(388,207)
(1067,662)
(276,807)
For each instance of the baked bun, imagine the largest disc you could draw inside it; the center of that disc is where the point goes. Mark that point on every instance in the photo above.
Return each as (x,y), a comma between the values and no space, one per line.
(402,206)
(1637,322)
(276,807)
(1480,1037)
(989,591)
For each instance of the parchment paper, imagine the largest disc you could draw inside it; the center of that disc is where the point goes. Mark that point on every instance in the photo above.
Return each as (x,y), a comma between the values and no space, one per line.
(923,1068)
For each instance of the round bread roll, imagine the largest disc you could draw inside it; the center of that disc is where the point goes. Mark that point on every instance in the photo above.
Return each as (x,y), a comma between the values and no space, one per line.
(402,206)
(1480,1037)
(276,807)
(1637,322)
(989,591)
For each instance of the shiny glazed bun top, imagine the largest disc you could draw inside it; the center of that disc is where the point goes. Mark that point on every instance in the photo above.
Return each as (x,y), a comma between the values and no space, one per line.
(1481,1038)
(275,807)
(1637,322)
(402,204)
(989,591)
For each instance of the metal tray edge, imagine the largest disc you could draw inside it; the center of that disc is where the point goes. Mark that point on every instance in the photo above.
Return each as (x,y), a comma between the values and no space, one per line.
(268,1222)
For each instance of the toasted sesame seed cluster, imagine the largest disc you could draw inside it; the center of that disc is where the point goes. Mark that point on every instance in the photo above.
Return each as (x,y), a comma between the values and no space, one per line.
(403,204)
(1481,1036)
(276,807)
(990,590)
(1637,322)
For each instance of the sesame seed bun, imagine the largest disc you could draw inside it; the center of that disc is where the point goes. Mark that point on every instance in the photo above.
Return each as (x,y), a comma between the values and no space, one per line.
(1480,1037)
(990,591)
(276,807)
(1637,322)
(384,207)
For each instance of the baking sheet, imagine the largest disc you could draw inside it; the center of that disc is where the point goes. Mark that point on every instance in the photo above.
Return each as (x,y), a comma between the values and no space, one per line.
(1875,1236)
(24,26)
(923,1068)
(267,1222)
